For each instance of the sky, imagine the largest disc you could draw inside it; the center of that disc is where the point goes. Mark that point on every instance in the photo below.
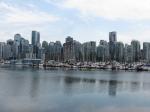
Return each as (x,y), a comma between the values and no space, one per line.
(84,20)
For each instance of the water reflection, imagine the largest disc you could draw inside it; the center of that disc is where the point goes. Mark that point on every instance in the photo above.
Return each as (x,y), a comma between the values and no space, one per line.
(35,79)
(89,80)
(135,86)
(70,80)
(112,87)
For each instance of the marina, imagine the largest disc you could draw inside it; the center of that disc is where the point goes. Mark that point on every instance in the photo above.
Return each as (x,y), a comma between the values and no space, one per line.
(80,65)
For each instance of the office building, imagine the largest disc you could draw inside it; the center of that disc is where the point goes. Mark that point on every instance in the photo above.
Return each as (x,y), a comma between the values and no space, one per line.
(112,45)
(136,49)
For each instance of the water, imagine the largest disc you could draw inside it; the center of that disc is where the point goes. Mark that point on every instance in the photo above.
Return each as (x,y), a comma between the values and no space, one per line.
(38,90)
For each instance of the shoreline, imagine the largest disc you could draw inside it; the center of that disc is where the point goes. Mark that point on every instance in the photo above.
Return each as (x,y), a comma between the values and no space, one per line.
(137,68)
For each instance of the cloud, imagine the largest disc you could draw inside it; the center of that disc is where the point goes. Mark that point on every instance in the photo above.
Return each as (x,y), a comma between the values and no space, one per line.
(16,15)
(111,9)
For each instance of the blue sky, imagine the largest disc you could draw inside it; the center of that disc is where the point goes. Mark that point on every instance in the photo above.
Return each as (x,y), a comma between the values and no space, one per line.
(85,20)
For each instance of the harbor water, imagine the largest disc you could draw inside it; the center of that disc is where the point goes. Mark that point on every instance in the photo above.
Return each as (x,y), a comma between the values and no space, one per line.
(66,90)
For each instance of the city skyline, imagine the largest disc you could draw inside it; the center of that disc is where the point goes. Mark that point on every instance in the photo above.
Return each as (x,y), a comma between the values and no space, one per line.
(82,19)
(72,51)
(64,39)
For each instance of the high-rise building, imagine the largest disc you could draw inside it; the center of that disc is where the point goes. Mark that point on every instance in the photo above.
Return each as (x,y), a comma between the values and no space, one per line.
(17,39)
(35,42)
(103,51)
(113,36)
(58,51)
(136,49)
(15,51)
(89,51)
(35,38)
(100,53)
(146,51)
(41,54)
(10,42)
(129,54)
(119,52)
(24,46)
(55,51)
(29,53)
(7,52)
(1,50)
(52,51)
(45,45)
(69,49)
(78,48)
(112,45)
(19,47)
